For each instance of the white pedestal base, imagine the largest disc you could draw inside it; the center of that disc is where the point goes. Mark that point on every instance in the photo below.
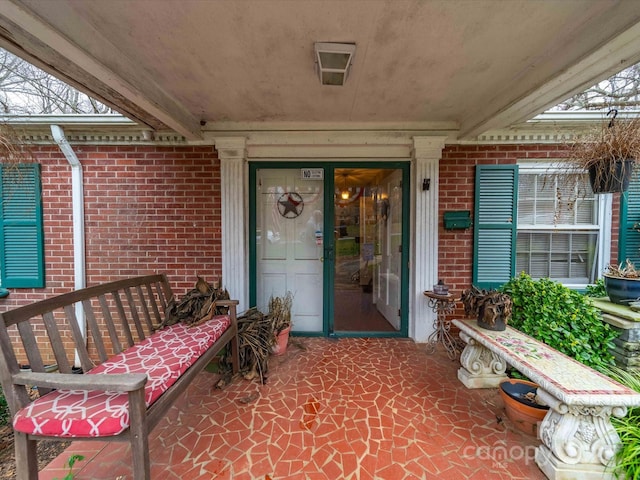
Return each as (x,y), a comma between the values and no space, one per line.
(481,368)
(554,469)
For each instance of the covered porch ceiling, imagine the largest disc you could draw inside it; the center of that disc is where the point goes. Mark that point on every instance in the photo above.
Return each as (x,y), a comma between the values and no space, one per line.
(465,66)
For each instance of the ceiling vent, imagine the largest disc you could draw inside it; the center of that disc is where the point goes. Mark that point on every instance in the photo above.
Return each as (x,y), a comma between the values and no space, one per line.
(333,61)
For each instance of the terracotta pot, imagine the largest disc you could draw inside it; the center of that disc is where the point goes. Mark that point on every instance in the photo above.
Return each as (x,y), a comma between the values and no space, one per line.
(524,415)
(282,339)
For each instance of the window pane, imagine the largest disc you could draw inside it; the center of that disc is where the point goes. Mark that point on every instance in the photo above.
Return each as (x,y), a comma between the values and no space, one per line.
(550,200)
(563,256)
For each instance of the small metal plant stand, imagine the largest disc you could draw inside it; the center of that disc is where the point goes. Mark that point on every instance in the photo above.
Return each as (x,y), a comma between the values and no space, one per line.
(442,304)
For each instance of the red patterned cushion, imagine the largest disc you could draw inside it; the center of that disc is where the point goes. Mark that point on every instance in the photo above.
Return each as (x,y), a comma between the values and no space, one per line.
(163,356)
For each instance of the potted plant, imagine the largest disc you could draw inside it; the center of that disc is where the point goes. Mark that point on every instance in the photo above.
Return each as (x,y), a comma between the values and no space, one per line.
(622,283)
(608,153)
(490,307)
(280,314)
(522,405)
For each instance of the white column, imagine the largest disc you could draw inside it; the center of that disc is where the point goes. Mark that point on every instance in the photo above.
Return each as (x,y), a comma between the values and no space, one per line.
(427,152)
(234,192)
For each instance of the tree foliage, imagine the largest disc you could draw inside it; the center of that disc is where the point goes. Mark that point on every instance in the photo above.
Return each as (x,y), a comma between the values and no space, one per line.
(28,90)
(620,91)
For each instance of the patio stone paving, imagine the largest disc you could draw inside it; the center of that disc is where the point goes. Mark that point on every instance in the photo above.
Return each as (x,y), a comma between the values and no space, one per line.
(351,409)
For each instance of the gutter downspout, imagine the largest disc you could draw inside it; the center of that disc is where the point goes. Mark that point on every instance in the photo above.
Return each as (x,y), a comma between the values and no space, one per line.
(77,197)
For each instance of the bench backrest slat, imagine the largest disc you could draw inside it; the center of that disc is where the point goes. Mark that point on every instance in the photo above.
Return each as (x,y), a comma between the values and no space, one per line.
(31,345)
(15,395)
(145,308)
(164,293)
(94,329)
(57,344)
(134,313)
(111,327)
(154,303)
(78,340)
(123,318)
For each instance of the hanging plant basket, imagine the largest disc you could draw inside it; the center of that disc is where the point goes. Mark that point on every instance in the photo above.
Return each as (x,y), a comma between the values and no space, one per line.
(612,177)
(608,153)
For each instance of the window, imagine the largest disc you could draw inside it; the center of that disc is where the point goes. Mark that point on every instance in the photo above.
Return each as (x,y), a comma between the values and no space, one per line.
(21,233)
(559,228)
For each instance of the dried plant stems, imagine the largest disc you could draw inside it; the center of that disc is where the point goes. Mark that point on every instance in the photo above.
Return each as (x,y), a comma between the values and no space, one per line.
(280,312)
(255,333)
(197,305)
(618,140)
(491,305)
(624,270)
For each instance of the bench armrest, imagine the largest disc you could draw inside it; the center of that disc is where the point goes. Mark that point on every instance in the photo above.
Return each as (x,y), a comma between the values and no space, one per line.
(125,382)
(226,303)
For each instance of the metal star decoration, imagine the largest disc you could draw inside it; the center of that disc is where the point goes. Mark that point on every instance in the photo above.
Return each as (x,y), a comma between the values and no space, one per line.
(290,205)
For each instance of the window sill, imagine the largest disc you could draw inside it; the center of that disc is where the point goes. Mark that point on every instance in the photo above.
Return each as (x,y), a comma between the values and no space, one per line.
(4,292)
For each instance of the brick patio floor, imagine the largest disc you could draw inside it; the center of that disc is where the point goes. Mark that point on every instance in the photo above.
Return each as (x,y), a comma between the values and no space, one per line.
(351,409)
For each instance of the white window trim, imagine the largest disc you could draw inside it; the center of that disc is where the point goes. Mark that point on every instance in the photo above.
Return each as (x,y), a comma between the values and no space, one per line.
(605,206)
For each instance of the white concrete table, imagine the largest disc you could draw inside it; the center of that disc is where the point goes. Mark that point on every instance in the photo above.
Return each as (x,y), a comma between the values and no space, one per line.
(578,440)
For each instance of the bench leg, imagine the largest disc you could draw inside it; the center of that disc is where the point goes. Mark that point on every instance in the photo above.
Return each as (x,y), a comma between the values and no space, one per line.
(577,441)
(235,359)
(26,457)
(139,436)
(481,368)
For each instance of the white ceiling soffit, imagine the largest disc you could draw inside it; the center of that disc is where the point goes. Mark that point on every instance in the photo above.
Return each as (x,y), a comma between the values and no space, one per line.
(474,64)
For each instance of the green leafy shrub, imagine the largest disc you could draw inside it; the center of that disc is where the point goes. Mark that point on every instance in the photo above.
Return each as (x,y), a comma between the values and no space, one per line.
(628,455)
(597,289)
(4,409)
(561,318)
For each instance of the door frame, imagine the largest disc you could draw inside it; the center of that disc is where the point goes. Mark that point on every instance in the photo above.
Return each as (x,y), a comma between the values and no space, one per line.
(329,168)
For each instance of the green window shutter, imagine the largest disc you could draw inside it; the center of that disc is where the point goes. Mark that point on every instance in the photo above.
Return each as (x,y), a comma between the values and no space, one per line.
(21,232)
(629,238)
(494,232)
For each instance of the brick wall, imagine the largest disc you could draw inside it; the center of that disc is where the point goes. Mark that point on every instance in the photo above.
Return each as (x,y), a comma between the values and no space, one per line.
(147,209)
(457,176)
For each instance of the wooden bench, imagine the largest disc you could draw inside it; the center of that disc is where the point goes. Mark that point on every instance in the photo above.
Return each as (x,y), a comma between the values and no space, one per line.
(578,440)
(133,373)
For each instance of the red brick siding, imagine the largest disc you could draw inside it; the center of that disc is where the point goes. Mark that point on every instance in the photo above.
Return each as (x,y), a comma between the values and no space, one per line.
(147,209)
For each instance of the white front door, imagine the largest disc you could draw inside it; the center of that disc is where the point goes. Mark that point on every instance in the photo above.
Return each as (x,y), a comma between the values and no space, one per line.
(289,242)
